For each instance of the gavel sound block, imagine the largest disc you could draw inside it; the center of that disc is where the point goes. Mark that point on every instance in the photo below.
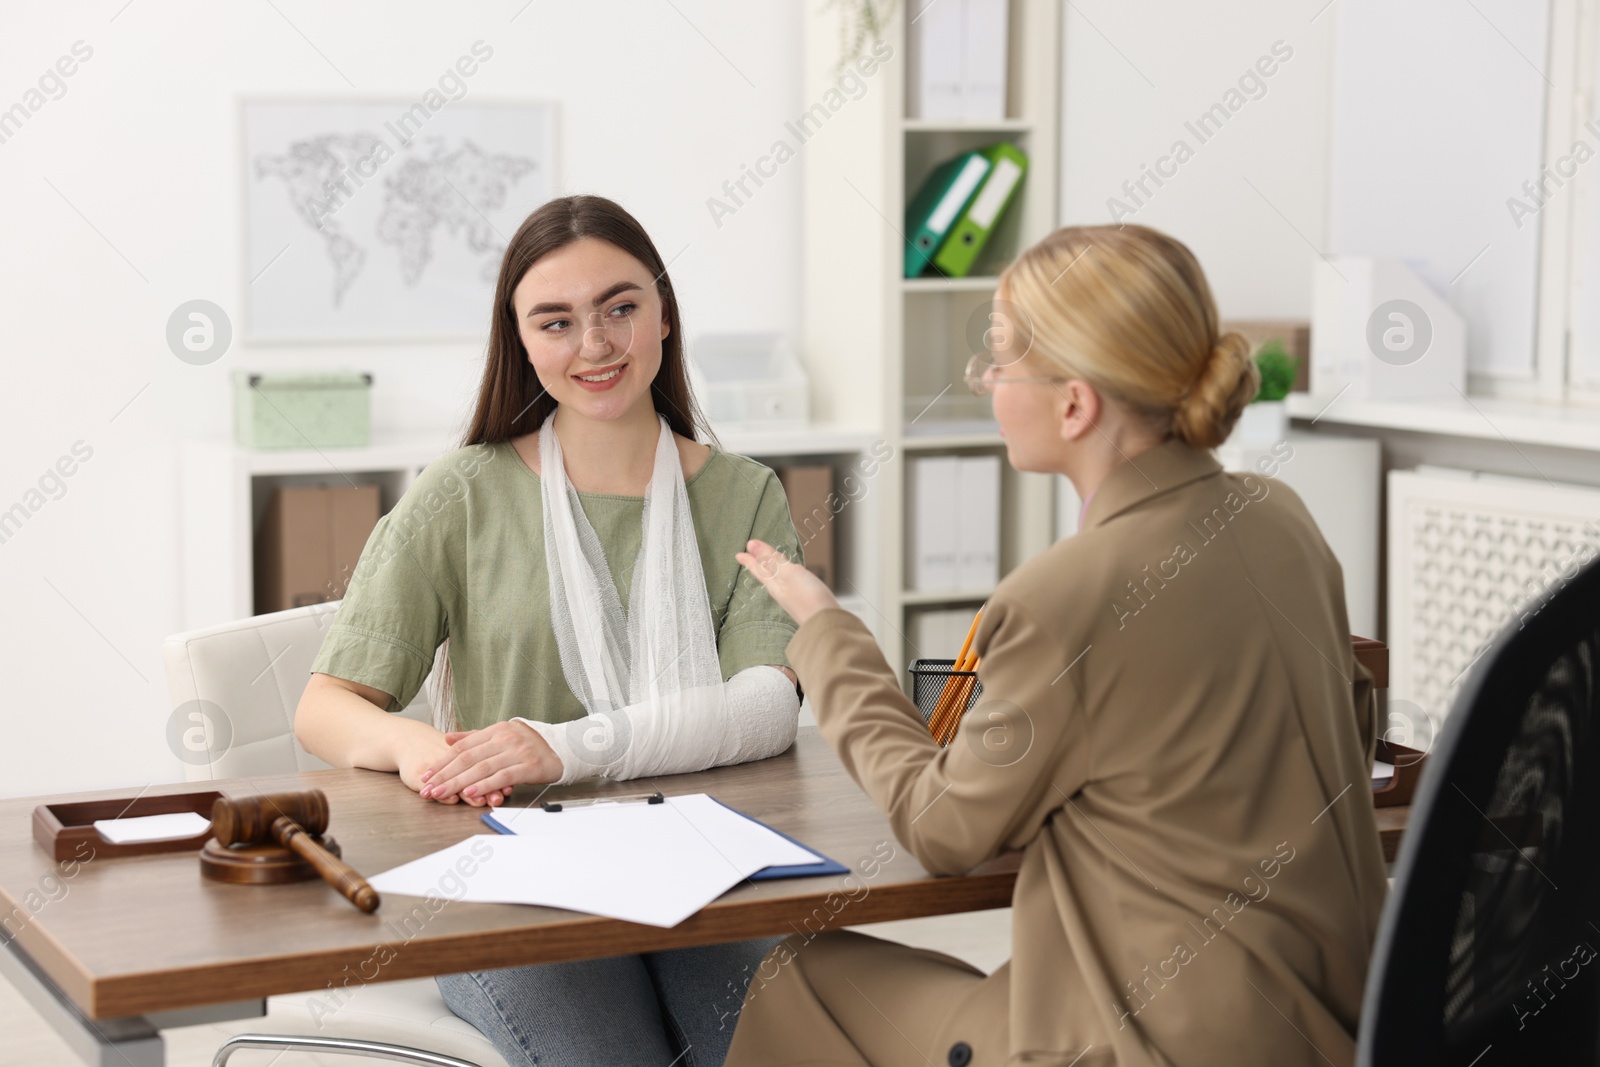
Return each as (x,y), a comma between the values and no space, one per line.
(277,838)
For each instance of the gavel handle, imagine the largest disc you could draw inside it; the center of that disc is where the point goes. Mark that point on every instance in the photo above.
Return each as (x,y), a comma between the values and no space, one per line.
(335,871)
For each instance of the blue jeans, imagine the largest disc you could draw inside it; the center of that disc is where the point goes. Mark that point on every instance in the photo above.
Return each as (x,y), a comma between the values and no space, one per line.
(675,1008)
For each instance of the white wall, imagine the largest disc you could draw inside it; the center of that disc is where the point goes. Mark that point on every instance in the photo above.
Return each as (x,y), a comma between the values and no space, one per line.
(656,109)
(1252,201)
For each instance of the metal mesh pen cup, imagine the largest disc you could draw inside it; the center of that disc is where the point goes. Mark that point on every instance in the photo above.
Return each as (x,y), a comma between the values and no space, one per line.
(927,682)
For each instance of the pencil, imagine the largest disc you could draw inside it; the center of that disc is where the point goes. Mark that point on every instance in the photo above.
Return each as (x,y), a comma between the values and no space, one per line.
(966,646)
(958,705)
(948,696)
(948,701)
(947,710)
(956,692)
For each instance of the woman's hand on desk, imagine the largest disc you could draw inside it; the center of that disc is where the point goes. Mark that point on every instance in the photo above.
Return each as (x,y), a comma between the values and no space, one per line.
(421,754)
(797,590)
(485,765)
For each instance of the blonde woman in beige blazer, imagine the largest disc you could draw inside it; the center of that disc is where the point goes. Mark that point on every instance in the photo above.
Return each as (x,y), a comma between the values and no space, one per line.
(1173,729)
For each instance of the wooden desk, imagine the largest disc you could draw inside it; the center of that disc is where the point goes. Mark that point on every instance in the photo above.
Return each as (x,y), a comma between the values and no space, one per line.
(121,948)
(143,936)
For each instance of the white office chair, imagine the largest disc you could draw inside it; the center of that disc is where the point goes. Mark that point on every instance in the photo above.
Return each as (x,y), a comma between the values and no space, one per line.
(254,670)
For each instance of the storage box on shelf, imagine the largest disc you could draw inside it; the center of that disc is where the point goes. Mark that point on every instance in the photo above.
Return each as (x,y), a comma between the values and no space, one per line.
(303,410)
(751,379)
(309,543)
(225,491)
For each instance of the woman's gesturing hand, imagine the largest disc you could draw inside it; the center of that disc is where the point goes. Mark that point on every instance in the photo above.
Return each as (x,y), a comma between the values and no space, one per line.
(797,590)
(482,766)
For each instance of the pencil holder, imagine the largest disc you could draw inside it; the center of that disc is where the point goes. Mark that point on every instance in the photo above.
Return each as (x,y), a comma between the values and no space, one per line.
(928,677)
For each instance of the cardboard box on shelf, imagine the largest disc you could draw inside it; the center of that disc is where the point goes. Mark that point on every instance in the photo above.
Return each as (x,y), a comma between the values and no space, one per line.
(309,542)
(809,490)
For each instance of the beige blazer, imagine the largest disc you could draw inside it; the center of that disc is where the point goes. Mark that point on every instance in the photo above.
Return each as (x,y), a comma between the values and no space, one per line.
(1176,733)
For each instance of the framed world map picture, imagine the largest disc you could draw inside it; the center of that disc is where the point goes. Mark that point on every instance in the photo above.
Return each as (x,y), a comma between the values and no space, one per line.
(385,220)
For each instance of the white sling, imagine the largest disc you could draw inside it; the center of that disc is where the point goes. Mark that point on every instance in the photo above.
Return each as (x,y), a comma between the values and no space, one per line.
(650,677)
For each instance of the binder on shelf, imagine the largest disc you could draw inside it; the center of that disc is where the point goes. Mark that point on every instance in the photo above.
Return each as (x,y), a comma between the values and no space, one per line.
(936,60)
(958,61)
(978,522)
(954,520)
(937,206)
(971,232)
(937,632)
(983,80)
(934,506)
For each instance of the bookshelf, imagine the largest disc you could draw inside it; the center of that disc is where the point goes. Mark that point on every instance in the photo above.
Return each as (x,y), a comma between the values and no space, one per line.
(888,352)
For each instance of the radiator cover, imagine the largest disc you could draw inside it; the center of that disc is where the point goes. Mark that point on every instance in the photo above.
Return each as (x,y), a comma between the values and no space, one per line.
(1467,554)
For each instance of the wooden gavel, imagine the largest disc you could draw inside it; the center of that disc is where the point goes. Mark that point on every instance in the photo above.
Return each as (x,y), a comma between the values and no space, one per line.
(289,820)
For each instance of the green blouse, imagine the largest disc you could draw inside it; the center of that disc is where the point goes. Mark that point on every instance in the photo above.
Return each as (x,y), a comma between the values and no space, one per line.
(462,557)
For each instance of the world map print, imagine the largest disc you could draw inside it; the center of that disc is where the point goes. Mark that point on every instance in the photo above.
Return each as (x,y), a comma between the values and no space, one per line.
(449,192)
(376,220)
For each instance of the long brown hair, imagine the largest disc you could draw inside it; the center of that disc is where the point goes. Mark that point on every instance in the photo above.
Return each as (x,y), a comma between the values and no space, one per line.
(511,402)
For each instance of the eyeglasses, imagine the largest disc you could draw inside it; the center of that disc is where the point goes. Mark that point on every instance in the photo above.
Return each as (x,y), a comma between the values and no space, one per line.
(591,337)
(976,376)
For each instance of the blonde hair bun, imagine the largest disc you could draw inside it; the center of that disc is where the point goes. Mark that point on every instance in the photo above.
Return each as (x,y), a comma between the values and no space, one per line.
(1128,309)
(1206,414)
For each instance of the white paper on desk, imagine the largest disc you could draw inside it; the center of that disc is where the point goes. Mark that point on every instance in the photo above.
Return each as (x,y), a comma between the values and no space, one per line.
(152,827)
(733,835)
(1381,772)
(655,864)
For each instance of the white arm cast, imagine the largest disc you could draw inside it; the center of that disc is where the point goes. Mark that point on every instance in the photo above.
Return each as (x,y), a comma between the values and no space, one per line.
(751,716)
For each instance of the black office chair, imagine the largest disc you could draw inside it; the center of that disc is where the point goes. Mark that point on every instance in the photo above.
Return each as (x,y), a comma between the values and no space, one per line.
(1489,949)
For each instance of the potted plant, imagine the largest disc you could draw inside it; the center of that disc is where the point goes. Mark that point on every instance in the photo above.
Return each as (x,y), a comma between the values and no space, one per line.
(860,23)
(1266,418)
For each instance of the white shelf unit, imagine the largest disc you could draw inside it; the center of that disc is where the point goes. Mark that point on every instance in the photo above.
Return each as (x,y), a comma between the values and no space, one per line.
(981,283)
(886,351)
(1529,422)
(225,488)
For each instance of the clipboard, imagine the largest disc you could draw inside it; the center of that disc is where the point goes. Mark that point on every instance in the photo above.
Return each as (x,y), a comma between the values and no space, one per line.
(791,870)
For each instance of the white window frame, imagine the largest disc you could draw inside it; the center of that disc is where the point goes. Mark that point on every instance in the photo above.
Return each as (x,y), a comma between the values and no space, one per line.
(1581,96)
(1573,70)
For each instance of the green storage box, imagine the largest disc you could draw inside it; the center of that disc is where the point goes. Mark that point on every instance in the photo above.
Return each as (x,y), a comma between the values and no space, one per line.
(302,410)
